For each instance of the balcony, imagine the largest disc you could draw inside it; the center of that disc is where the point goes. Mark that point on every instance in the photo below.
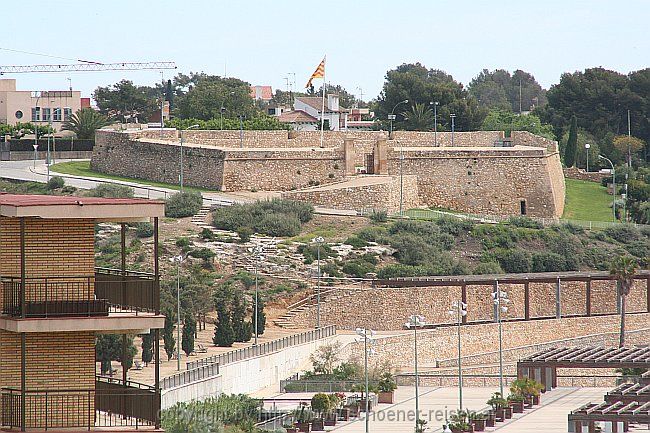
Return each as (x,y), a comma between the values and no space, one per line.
(112,403)
(114,299)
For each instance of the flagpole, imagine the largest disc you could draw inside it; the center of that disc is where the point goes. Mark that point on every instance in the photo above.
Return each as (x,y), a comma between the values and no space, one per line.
(322,113)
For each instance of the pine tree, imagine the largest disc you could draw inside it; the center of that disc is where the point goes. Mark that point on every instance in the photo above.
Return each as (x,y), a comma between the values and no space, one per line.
(241,328)
(147,347)
(261,316)
(224,336)
(168,335)
(189,329)
(572,144)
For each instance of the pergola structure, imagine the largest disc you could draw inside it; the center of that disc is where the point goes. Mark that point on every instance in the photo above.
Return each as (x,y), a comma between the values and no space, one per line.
(628,393)
(542,366)
(619,414)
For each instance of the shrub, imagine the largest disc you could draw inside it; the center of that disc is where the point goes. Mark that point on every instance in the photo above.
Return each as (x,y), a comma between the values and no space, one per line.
(623,233)
(514,261)
(207,234)
(524,222)
(379,216)
(183,242)
(202,253)
(310,252)
(356,242)
(548,262)
(183,204)
(273,217)
(275,224)
(144,230)
(55,182)
(68,190)
(373,234)
(111,190)
(245,234)
(357,268)
(330,269)
(454,226)
(485,268)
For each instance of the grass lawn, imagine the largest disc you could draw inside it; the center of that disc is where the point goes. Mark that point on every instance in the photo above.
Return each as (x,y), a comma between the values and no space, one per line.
(82,168)
(587,201)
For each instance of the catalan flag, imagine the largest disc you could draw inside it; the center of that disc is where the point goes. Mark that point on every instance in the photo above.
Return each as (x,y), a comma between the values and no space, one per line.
(318,73)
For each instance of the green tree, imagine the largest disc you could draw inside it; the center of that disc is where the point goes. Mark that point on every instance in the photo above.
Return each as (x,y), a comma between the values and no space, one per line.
(85,122)
(499,90)
(505,120)
(169,342)
(261,315)
(418,118)
(189,331)
(623,268)
(147,347)
(571,148)
(240,326)
(109,347)
(126,101)
(224,335)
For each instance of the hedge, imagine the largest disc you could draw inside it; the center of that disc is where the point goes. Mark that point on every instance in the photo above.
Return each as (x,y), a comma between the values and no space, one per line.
(22,145)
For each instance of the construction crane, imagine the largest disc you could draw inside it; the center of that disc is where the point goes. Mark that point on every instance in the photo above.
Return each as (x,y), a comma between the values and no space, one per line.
(87,66)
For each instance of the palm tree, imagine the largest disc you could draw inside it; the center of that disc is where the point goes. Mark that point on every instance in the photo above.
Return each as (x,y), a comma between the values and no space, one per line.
(419,118)
(85,122)
(623,268)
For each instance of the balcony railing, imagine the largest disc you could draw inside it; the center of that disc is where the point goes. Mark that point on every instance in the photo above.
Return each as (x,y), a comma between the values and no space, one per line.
(110,404)
(52,297)
(109,290)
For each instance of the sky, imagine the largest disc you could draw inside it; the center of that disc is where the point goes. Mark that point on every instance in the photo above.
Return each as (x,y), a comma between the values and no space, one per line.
(263,42)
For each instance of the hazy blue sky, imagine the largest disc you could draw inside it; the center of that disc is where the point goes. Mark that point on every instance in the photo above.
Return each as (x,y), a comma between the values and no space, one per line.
(262,41)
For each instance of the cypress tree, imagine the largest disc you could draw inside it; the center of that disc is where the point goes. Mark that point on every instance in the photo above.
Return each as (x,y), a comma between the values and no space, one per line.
(572,144)
(189,329)
(224,336)
(168,336)
(147,347)
(241,328)
(261,316)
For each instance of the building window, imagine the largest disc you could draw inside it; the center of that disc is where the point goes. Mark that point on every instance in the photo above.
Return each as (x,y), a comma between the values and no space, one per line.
(19,114)
(36,114)
(67,113)
(46,115)
(56,114)
(522,207)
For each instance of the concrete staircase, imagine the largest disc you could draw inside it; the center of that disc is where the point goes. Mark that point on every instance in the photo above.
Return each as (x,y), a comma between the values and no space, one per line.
(200,216)
(310,302)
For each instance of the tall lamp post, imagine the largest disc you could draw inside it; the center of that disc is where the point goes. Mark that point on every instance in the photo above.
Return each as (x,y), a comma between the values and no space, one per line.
(257,252)
(501,301)
(587,147)
(401,180)
(613,181)
(368,338)
(414,322)
(453,116)
(318,241)
(459,309)
(392,116)
(435,121)
(181,175)
(179,260)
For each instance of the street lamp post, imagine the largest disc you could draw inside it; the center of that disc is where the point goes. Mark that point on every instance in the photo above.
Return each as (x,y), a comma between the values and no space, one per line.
(415,321)
(392,116)
(435,121)
(181,175)
(613,181)
(35,153)
(459,309)
(367,336)
(241,130)
(401,180)
(318,241)
(257,251)
(453,116)
(501,301)
(587,147)
(179,260)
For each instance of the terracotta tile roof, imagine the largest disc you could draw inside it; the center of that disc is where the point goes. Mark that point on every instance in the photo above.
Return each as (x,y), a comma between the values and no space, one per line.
(265,93)
(27,200)
(316,102)
(296,116)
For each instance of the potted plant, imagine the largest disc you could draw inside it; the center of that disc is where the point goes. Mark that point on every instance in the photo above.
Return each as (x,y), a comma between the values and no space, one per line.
(507,412)
(353,409)
(498,404)
(320,404)
(477,419)
(528,389)
(459,422)
(303,418)
(387,387)
(290,428)
(331,414)
(490,418)
(516,402)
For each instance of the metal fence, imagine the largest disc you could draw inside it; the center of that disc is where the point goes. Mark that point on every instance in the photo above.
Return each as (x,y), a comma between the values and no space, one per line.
(264,348)
(189,376)
(488,380)
(297,385)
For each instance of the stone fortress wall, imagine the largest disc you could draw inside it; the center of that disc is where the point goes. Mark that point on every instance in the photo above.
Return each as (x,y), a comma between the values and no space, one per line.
(481,173)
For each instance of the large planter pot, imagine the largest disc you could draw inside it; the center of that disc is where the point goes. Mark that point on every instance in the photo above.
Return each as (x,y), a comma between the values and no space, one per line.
(479,424)
(517,406)
(362,405)
(387,397)
(304,426)
(344,414)
(490,421)
(330,419)
(318,425)
(507,412)
(536,400)
(354,411)
(291,429)
(500,414)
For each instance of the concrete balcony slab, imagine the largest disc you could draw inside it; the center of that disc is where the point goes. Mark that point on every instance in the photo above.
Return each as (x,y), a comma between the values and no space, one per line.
(114,323)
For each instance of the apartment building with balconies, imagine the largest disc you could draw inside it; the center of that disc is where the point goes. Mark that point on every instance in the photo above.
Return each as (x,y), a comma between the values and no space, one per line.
(55,301)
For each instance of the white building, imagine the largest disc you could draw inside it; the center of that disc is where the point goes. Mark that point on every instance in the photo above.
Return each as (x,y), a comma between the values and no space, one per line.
(313,106)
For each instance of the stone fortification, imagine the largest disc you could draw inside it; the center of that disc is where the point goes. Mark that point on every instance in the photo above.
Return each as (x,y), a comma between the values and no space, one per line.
(482,173)
(386,309)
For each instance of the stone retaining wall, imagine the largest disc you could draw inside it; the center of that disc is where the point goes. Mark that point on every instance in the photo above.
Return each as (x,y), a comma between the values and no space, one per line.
(385,309)
(580,174)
